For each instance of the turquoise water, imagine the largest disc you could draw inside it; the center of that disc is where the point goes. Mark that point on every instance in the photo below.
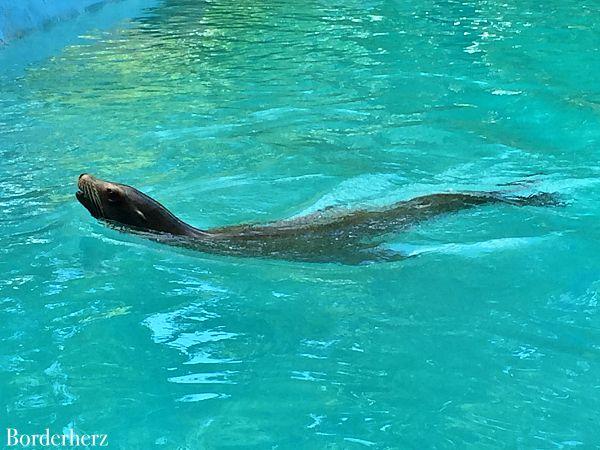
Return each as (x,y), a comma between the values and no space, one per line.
(252,111)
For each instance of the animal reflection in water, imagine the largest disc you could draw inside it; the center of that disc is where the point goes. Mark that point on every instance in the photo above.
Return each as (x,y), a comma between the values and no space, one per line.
(348,237)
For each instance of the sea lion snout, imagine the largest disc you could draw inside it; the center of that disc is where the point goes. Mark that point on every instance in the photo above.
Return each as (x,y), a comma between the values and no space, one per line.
(85,178)
(88,195)
(91,185)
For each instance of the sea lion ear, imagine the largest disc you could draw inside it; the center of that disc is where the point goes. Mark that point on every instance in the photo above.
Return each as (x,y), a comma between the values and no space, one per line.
(141,214)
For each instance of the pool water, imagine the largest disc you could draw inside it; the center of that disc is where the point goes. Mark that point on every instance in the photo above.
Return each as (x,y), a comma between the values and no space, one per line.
(230,112)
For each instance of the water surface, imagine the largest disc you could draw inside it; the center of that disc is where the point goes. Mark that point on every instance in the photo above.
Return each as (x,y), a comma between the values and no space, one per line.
(252,111)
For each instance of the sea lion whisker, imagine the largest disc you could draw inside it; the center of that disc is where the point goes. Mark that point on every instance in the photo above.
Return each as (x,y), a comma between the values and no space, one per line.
(90,194)
(97,197)
(86,191)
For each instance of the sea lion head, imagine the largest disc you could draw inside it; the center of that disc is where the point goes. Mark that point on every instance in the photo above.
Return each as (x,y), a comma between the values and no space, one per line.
(125,205)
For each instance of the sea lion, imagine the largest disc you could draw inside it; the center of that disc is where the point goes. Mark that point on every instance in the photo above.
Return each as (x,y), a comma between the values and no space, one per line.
(325,236)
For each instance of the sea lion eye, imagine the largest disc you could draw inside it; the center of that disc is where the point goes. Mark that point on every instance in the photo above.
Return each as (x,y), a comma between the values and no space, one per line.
(112,194)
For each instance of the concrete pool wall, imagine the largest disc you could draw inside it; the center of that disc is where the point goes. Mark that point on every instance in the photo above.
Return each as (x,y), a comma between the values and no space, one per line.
(18,17)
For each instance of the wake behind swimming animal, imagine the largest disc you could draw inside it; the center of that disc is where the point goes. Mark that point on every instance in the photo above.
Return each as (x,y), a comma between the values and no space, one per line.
(346,237)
